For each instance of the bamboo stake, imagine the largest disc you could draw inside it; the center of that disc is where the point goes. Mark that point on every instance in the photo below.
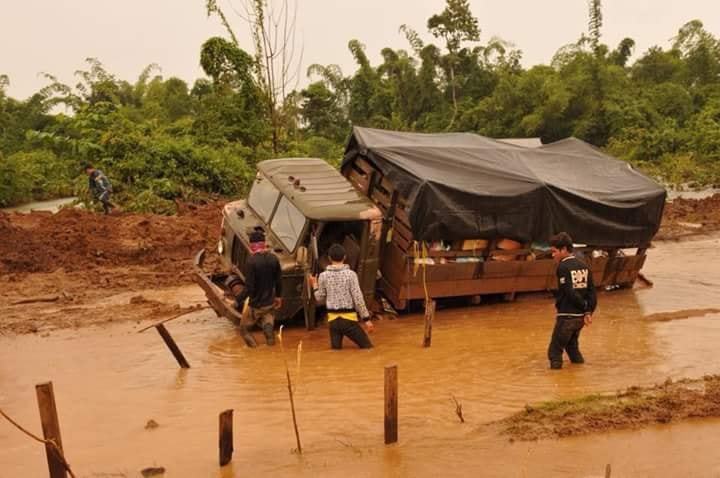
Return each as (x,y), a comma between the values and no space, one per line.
(391,404)
(290,390)
(225,432)
(51,429)
(172,346)
(429,316)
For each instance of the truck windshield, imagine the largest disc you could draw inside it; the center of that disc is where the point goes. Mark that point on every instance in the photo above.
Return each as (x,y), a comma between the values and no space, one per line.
(288,223)
(263,197)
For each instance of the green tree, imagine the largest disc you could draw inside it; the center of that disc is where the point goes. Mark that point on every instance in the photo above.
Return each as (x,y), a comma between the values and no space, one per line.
(455,25)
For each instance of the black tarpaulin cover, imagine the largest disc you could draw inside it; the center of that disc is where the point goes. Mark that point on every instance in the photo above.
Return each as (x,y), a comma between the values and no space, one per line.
(463,186)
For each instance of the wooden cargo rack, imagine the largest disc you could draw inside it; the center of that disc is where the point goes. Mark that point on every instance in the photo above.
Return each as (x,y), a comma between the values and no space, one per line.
(456,272)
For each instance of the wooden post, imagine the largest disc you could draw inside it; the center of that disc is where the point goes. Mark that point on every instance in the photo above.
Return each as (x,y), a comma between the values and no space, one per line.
(172,346)
(225,436)
(50,428)
(391,404)
(429,316)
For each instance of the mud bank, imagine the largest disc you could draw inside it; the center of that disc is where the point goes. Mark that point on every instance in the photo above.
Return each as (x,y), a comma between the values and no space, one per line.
(100,268)
(632,408)
(78,240)
(96,264)
(683,218)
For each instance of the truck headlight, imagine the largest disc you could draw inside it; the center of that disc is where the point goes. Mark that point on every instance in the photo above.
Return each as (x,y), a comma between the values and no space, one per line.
(221,247)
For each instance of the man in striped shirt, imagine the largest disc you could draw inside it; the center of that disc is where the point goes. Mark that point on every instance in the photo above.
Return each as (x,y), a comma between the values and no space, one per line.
(339,289)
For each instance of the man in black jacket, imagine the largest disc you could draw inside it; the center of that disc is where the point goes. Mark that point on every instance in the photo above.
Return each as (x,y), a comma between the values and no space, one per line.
(263,290)
(575,302)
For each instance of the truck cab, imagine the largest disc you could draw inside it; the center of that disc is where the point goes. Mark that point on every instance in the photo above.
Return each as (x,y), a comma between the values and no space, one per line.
(303,205)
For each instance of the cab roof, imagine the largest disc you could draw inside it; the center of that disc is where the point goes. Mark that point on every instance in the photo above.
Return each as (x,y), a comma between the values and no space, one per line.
(317,189)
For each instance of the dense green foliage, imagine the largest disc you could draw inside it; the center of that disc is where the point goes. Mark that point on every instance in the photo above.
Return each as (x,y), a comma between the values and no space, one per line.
(160,140)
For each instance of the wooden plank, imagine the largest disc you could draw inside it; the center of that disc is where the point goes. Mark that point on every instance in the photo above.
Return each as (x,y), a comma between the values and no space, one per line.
(401,242)
(172,346)
(372,181)
(386,185)
(452,254)
(475,287)
(514,252)
(380,197)
(225,436)
(392,294)
(445,272)
(403,201)
(401,215)
(391,404)
(360,182)
(394,266)
(402,229)
(363,165)
(501,269)
(51,428)
(543,267)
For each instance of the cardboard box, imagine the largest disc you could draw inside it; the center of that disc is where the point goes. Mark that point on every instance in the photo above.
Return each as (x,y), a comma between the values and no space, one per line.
(474,244)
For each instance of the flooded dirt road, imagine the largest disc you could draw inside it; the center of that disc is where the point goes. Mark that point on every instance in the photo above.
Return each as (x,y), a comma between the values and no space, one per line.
(109,381)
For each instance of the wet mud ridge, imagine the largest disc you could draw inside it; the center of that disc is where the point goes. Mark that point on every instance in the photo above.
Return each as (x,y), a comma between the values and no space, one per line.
(690,217)
(632,408)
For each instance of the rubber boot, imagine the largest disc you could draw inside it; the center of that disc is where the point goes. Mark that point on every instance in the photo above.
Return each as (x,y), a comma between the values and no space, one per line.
(248,337)
(269,335)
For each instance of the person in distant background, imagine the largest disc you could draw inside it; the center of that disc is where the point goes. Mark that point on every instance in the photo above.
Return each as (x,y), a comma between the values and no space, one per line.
(575,302)
(100,187)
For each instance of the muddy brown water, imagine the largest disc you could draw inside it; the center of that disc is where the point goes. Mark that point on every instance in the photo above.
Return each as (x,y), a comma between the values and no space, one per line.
(109,381)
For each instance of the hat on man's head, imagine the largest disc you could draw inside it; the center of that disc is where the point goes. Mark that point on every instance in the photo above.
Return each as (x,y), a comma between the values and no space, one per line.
(256,236)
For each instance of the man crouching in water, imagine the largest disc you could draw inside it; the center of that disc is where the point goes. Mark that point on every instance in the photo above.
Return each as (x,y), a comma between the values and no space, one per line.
(575,302)
(339,289)
(263,288)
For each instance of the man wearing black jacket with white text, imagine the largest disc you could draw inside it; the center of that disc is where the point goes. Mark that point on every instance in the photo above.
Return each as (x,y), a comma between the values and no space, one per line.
(575,302)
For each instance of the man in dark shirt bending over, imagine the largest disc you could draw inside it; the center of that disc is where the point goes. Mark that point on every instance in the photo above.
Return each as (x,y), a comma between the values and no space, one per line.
(263,288)
(575,302)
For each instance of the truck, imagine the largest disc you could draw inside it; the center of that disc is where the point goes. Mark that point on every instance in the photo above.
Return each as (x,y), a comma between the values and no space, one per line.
(303,205)
(440,215)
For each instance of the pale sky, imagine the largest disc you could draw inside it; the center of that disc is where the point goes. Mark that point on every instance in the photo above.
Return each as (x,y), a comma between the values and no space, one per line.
(55,36)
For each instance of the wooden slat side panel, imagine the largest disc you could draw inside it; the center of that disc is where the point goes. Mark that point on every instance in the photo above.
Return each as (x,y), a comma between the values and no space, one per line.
(364,166)
(362,183)
(402,229)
